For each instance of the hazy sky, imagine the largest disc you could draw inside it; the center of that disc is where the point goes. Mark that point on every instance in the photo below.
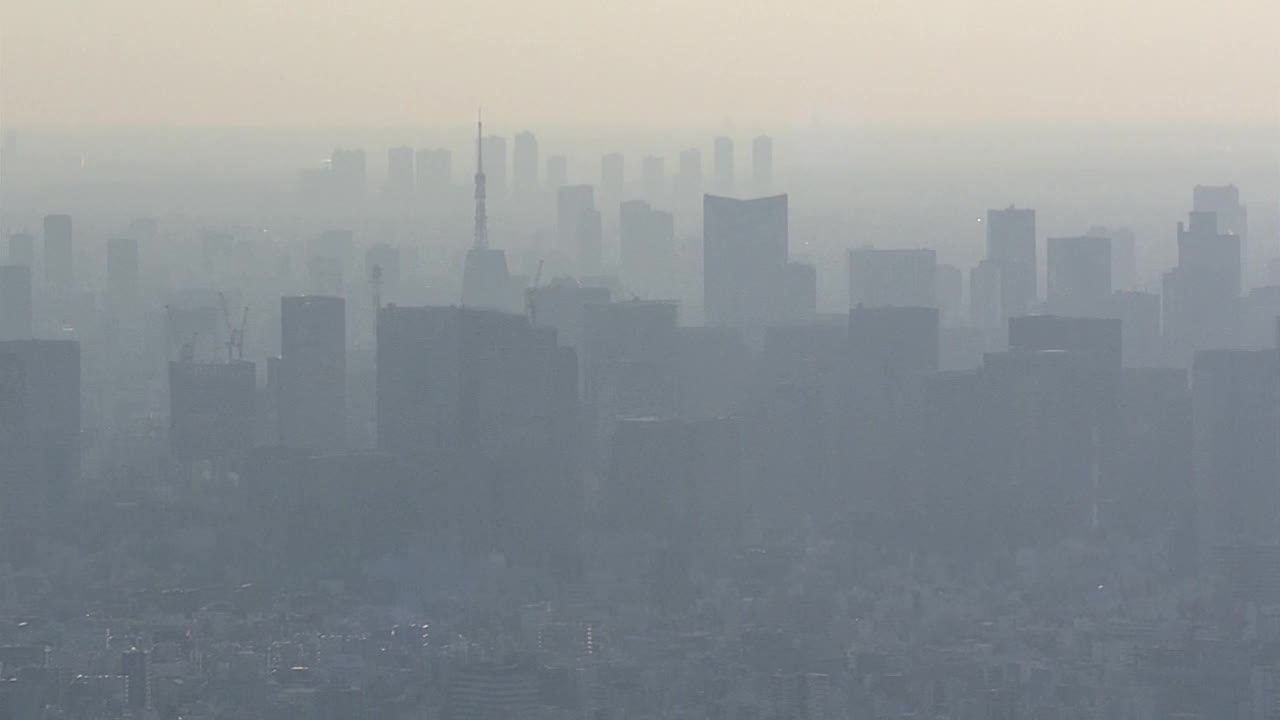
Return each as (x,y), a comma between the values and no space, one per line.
(428,62)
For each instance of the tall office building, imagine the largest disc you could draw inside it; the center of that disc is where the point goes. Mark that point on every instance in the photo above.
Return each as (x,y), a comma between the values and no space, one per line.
(744,260)
(1201,295)
(1096,339)
(984,300)
(122,268)
(1124,255)
(42,407)
(722,182)
(211,410)
(383,260)
(1236,410)
(574,205)
(59,267)
(400,172)
(589,241)
(1078,276)
(653,177)
(325,276)
(22,250)
(557,171)
(647,250)
(612,175)
(524,163)
(1233,217)
(433,171)
(491,402)
(889,278)
(495,165)
(1011,246)
(313,372)
(15,302)
(762,165)
(950,285)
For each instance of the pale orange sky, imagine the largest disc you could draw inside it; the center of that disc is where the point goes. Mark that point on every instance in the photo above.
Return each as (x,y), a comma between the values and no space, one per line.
(655,62)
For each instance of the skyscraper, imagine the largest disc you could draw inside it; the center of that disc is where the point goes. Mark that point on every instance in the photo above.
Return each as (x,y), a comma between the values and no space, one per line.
(313,366)
(1079,276)
(524,163)
(889,278)
(647,250)
(1233,217)
(762,165)
(59,261)
(122,268)
(723,181)
(573,202)
(1201,298)
(612,176)
(15,302)
(22,250)
(744,259)
(400,172)
(1011,246)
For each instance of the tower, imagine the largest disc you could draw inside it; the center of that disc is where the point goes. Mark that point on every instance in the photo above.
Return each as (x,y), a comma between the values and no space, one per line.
(481,239)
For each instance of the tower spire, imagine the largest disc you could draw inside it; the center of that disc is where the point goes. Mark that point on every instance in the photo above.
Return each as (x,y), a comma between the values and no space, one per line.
(481,239)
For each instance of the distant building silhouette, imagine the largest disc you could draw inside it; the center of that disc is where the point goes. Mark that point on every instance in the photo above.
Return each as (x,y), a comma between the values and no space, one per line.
(16,313)
(893,278)
(744,258)
(1011,247)
(647,250)
(1124,255)
(22,250)
(1078,276)
(1201,295)
(313,373)
(59,263)
(576,220)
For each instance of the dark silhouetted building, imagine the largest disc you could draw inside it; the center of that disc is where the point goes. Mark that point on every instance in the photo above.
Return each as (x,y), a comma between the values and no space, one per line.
(1011,247)
(1079,276)
(22,250)
(893,278)
(647,250)
(950,293)
(1202,293)
(1139,316)
(133,666)
(211,411)
(313,372)
(1124,255)
(1097,338)
(59,267)
(744,260)
(575,213)
(16,320)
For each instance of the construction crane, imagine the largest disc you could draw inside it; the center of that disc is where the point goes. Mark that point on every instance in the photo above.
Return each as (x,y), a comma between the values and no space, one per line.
(188,348)
(235,336)
(531,299)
